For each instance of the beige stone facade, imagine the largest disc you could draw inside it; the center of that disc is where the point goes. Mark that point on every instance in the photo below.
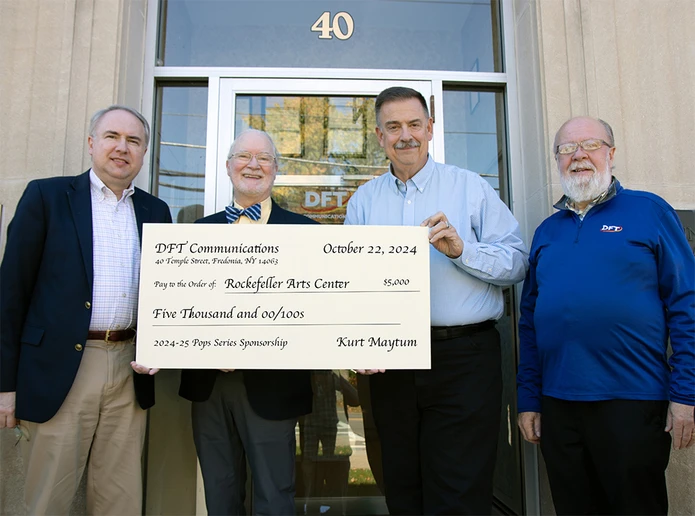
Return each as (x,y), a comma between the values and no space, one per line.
(630,62)
(62,61)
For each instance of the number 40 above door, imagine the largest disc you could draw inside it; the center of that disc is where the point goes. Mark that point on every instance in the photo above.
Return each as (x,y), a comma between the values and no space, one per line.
(328,28)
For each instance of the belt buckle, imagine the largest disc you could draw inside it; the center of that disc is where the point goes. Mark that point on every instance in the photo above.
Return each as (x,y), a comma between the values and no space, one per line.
(106,337)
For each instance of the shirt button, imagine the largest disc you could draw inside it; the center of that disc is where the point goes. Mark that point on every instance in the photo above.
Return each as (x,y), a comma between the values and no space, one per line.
(78,347)
(88,305)
(122,295)
(409,202)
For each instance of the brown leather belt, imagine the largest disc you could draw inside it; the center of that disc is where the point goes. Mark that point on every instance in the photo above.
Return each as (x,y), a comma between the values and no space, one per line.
(112,335)
(452,332)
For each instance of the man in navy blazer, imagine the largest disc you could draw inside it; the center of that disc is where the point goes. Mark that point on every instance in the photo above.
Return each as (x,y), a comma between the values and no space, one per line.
(248,414)
(68,291)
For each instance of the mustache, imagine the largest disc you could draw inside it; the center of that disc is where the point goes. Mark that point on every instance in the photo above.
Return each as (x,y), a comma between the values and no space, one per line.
(581,164)
(412,144)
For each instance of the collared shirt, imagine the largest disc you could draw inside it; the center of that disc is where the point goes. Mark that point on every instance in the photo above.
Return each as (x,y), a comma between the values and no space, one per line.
(266,207)
(116,248)
(467,289)
(565,203)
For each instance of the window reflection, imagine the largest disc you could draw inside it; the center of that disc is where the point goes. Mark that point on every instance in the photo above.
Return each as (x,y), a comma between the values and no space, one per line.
(179,165)
(346,127)
(388,34)
(324,204)
(474,133)
(474,138)
(338,463)
(317,135)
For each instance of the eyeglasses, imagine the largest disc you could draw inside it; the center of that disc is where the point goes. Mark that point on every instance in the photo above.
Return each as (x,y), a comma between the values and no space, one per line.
(263,158)
(587,145)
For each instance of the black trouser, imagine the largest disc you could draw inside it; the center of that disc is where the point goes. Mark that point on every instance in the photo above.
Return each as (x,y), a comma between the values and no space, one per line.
(606,457)
(226,432)
(439,428)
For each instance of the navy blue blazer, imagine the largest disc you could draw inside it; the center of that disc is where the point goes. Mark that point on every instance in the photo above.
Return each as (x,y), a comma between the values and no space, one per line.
(46,281)
(276,394)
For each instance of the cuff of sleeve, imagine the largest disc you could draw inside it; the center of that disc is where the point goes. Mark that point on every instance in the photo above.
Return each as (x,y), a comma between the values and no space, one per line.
(9,383)
(685,400)
(468,256)
(528,405)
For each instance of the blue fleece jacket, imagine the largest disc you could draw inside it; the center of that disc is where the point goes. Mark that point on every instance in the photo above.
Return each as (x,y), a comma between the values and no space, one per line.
(601,298)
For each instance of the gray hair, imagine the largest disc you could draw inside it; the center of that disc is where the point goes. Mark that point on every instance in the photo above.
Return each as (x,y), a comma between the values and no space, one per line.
(252,131)
(117,107)
(609,132)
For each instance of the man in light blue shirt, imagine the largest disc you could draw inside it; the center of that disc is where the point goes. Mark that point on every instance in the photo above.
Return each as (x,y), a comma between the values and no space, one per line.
(439,427)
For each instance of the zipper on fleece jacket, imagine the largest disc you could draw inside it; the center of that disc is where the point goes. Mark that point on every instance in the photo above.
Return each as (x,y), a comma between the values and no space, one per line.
(580,222)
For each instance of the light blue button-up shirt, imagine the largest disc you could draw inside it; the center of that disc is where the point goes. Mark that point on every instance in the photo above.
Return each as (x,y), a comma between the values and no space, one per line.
(467,289)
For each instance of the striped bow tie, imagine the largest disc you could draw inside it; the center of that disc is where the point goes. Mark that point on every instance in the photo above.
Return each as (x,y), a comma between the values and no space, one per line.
(253,212)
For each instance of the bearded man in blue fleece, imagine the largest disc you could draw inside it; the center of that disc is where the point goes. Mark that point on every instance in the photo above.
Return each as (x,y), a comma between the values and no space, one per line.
(611,280)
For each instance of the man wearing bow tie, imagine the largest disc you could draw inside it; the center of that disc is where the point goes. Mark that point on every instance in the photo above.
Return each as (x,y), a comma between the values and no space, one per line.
(248,414)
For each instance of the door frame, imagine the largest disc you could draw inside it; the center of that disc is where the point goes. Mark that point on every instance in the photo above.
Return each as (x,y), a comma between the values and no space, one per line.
(511,19)
(222,114)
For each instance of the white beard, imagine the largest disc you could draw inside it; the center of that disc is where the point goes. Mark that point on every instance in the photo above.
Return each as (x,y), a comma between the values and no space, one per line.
(580,189)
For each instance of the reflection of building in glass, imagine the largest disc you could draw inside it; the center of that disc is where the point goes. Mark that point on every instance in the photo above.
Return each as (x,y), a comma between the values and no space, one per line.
(316,135)
(179,149)
(323,461)
(346,127)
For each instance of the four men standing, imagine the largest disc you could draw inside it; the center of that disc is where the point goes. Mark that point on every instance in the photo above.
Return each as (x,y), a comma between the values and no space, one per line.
(611,281)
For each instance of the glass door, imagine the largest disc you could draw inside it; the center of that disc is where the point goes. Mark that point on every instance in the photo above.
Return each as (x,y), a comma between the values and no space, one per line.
(324,132)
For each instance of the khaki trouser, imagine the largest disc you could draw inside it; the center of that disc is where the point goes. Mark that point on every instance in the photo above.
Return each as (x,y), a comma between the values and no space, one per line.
(99,423)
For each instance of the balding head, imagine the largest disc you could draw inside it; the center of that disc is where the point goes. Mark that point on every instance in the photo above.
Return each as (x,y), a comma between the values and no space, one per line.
(603,129)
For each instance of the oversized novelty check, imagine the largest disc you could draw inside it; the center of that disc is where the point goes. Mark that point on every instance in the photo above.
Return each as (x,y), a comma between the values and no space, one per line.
(284,297)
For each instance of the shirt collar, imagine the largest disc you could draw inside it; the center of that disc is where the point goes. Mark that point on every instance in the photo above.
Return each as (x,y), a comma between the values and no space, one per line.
(266,207)
(565,203)
(419,180)
(102,190)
